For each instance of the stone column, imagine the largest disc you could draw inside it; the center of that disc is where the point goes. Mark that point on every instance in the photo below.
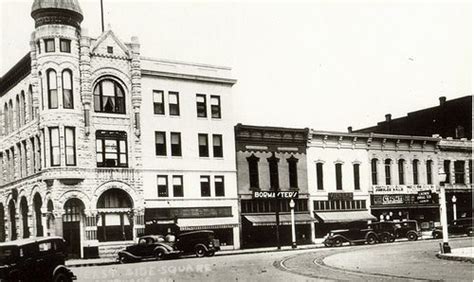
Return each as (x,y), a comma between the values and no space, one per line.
(136,82)
(35,80)
(85,70)
(451,172)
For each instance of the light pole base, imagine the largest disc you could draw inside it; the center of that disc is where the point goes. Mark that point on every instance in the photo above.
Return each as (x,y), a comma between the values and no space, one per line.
(445,248)
(293,245)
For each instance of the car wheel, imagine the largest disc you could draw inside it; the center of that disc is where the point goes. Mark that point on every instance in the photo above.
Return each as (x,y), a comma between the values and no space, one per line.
(337,242)
(122,260)
(200,251)
(159,254)
(327,244)
(436,235)
(371,240)
(210,254)
(412,236)
(385,238)
(61,277)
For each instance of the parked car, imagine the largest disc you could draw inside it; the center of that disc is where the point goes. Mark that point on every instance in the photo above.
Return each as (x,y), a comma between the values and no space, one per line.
(335,238)
(38,259)
(201,243)
(458,226)
(150,246)
(385,231)
(407,229)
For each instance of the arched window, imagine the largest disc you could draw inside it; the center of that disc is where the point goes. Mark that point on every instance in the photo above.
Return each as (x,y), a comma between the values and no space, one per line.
(109,97)
(68,98)
(24,217)
(374,171)
(401,171)
(22,108)
(52,89)
(29,98)
(37,203)
(415,171)
(12,213)
(10,116)
(17,113)
(388,174)
(5,119)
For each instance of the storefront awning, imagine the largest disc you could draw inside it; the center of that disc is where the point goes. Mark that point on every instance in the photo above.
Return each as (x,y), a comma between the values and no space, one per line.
(285,219)
(343,216)
(183,227)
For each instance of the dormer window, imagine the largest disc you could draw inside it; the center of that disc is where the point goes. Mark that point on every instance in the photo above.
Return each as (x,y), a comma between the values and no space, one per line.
(65,45)
(110,49)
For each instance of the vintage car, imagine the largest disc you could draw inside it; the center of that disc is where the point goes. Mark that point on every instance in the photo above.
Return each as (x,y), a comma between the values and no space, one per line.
(407,229)
(457,227)
(385,231)
(148,247)
(201,243)
(335,238)
(38,259)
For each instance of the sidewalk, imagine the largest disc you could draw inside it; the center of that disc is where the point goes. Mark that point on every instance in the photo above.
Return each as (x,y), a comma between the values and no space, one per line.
(460,254)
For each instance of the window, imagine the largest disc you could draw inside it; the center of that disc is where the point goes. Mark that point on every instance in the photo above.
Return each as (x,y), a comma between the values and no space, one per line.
(176,144)
(110,49)
(52,89)
(388,174)
(158,102)
(217,145)
(54,146)
(173,100)
(162,181)
(49,45)
(203,145)
(178,186)
(205,187)
(373,164)
(338,176)
(65,45)
(293,171)
(401,171)
(459,172)
(215,107)
(70,143)
(319,176)
(219,186)
(201,105)
(38,47)
(109,97)
(415,172)
(68,99)
(356,168)
(447,170)
(273,166)
(160,143)
(253,171)
(111,149)
(429,172)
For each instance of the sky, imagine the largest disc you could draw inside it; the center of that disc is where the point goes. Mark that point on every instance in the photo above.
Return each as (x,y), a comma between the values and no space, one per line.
(325,65)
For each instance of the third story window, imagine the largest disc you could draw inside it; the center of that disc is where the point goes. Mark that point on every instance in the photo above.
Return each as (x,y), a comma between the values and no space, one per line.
(68,100)
(160,143)
(205,186)
(429,172)
(54,146)
(219,186)
(253,171)
(274,176)
(158,102)
(415,172)
(401,171)
(388,173)
(173,100)
(52,89)
(111,149)
(373,165)
(338,176)
(176,144)
(109,97)
(293,171)
(217,145)
(70,143)
(319,176)
(65,45)
(215,107)
(459,172)
(203,145)
(356,176)
(201,105)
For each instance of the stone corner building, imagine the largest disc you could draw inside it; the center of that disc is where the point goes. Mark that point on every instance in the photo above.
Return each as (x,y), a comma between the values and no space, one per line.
(70,146)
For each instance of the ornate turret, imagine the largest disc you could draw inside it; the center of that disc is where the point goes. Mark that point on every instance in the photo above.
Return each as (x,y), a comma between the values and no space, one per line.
(67,12)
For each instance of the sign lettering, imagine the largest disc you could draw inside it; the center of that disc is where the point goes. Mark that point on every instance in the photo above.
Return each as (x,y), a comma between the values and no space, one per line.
(273,195)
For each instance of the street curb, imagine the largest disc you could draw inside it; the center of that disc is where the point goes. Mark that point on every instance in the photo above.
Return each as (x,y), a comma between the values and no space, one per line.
(455,258)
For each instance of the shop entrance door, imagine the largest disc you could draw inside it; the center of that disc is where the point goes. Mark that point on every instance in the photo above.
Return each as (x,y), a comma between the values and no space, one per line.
(72,235)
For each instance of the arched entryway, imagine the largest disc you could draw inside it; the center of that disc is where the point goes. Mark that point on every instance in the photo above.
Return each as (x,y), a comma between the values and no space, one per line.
(115,211)
(50,218)
(37,204)
(12,217)
(24,217)
(73,214)
(2,223)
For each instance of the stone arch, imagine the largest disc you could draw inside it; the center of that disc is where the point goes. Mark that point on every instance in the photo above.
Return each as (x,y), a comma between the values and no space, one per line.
(119,75)
(114,184)
(73,194)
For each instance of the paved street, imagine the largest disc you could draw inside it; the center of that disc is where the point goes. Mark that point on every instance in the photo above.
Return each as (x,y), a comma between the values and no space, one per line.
(396,261)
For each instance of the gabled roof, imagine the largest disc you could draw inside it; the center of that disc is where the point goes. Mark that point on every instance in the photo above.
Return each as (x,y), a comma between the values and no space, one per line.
(13,76)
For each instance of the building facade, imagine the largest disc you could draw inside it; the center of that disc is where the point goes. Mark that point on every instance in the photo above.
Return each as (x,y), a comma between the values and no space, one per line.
(271,159)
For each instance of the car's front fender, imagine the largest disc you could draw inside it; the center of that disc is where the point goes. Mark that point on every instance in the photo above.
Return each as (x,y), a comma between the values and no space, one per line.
(65,270)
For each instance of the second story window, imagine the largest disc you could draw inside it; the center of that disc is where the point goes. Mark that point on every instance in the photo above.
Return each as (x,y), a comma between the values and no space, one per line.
(52,89)
(160,143)
(176,144)
(54,148)
(356,168)
(447,170)
(253,171)
(373,166)
(162,185)
(338,176)
(459,172)
(217,146)
(205,186)
(201,105)
(293,171)
(70,144)
(219,186)
(158,102)
(68,99)
(49,45)
(388,173)
(178,186)
(415,172)
(319,176)
(274,176)
(65,45)
(111,149)
(109,97)
(203,145)
(401,171)
(215,107)
(173,100)
(429,172)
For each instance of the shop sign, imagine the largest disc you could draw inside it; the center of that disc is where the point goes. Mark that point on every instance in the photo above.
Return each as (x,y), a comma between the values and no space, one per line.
(389,199)
(424,197)
(273,195)
(402,189)
(392,199)
(340,196)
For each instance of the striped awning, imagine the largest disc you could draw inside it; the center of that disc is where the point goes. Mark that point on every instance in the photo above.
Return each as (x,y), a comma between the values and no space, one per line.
(343,216)
(285,219)
(183,227)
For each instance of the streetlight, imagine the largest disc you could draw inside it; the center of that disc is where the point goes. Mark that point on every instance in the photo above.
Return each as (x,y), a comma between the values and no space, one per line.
(293,233)
(446,249)
(453,199)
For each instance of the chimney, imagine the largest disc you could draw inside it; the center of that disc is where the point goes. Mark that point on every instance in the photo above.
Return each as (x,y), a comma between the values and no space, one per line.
(442,100)
(388,117)
(349,129)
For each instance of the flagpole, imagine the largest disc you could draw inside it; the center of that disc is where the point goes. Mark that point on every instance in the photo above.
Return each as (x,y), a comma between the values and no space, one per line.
(102,13)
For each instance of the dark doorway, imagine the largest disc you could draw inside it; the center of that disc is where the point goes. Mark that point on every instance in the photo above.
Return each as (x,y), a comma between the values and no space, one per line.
(24,217)
(38,220)
(12,212)
(2,224)
(72,235)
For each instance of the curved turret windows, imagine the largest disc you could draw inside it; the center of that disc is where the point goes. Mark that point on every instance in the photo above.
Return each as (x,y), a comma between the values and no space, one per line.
(52,89)
(109,97)
(68,99)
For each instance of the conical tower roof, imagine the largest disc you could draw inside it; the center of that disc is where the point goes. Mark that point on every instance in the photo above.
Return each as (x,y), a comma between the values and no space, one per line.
(57,12)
